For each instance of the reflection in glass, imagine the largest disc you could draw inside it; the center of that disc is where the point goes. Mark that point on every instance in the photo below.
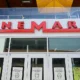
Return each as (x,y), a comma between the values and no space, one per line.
(64,44)
(34,44)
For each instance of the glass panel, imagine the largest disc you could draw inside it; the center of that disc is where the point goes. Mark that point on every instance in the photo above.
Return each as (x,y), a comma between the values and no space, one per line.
(76,68)
(15,17)
(47,11)
(17,70)
(58,67)
(3,17)
(32,44)
(60,16)
(37,69)
(6,45)
(1,67)
(64,44)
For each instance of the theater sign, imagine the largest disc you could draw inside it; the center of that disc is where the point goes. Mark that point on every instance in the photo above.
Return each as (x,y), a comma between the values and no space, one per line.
(41,25)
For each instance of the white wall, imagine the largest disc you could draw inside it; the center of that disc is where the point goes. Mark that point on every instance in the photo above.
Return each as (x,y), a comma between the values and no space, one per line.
(2,44)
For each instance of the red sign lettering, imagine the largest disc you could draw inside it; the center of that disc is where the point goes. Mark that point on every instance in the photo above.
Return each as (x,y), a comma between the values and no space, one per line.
(7,27)
(42,26)
(72,24)
(21,25)
(57,25)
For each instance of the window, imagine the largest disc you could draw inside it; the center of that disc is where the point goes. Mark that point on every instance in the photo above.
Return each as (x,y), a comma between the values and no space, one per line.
(22,44)
(64,44)
(32,44)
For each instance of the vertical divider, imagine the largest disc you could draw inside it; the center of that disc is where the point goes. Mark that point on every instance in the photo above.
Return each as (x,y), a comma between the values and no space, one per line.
(8,56)
(47,60)
(67,67)
(70,68)
(9,45)
(25,68)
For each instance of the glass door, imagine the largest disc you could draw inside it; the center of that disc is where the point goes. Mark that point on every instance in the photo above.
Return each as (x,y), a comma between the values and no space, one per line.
(74,63)
(17,69)
(3,66)
(58,66)
(37,66)
(32,66)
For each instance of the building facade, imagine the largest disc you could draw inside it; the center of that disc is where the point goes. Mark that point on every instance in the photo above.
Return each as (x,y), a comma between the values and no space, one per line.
(39,46)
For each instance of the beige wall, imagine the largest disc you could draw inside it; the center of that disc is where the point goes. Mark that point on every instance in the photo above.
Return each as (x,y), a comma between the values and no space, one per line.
(2,44)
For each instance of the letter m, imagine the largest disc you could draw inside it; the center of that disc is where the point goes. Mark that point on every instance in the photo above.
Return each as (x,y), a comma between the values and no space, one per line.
(42,26)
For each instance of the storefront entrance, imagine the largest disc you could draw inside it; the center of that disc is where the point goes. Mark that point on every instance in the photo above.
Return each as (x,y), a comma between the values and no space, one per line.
(58,66)
(40,66)
(27,67)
